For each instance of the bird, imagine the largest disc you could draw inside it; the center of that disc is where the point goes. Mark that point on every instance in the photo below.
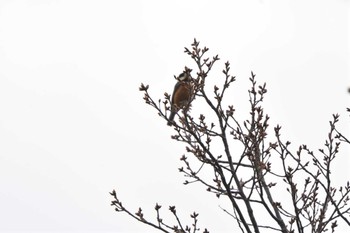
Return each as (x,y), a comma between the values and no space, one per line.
(182,94)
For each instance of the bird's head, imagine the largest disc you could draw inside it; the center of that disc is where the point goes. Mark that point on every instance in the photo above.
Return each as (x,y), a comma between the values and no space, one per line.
(185,76)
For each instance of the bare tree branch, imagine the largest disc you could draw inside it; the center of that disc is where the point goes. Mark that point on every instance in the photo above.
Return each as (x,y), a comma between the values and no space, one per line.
(264,181)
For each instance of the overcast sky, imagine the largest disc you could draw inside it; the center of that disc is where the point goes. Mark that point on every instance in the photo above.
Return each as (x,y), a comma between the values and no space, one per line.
(73,125)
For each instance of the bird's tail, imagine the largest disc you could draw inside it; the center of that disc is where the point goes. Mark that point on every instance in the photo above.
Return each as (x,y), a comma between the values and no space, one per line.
(171,118)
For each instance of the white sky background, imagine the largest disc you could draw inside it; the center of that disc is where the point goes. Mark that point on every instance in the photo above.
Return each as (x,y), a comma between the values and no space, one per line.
(73,125)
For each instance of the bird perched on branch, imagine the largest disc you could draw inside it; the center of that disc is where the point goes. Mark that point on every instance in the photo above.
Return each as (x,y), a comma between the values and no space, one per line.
(182,94)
